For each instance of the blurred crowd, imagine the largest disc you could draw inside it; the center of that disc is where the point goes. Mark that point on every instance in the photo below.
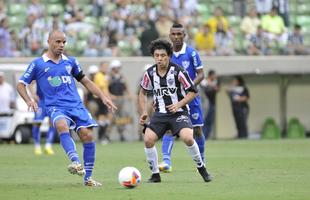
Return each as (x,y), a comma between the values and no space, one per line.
(110,80)
(126,27)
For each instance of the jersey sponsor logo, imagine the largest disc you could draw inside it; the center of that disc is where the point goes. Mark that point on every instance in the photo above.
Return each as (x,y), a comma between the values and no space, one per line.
(66,79)
(182,118)
(185,64)
(195,116)
(165,91)
(57,81)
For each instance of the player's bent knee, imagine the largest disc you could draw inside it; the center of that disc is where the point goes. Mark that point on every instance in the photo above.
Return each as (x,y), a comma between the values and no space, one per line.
(61,126)
(189,141)
(86,135)
(186,136)
(150,139)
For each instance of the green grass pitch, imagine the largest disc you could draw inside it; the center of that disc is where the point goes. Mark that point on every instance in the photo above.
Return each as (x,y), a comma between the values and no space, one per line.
(249,170)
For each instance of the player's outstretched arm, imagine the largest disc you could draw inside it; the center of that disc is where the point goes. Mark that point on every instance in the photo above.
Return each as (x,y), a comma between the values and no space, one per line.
(142,106)
(96,91)
(188,98)
(21,89)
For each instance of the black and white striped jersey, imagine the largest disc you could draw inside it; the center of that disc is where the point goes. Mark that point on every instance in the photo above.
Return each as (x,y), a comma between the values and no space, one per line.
(168,89)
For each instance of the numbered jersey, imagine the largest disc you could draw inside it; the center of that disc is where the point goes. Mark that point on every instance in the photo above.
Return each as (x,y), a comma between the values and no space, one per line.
(55,81)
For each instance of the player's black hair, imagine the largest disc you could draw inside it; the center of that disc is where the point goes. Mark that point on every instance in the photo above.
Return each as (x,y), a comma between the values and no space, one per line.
(160,44)
(274,8)
(211,72)
(177,25)
(297,26)
(240,80)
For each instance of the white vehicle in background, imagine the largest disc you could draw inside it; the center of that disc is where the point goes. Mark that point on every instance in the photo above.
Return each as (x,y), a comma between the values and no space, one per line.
(17,125)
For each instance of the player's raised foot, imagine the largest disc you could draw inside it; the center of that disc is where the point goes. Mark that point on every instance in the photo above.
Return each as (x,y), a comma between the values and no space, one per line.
(204,174)
(92,183)
(155,178)
(164,167)
(76,168)
(37,151)
(49,151)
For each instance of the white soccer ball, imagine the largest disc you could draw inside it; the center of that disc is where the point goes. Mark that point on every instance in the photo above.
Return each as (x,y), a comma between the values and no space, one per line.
(129,177)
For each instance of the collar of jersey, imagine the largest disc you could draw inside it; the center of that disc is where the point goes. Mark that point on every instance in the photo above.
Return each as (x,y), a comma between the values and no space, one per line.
(46,58)
(182,51)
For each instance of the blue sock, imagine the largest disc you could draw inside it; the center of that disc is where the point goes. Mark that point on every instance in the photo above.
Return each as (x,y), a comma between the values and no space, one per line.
(50,135)
(36,134)
(166,148)
(89,158)
(68,145)
(201,145)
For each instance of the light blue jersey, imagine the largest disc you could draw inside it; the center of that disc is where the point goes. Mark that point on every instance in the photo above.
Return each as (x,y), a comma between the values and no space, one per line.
(189,59)
(55,81)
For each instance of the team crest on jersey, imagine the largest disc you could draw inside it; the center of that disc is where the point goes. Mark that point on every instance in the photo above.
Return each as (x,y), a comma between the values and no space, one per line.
(69,69)
(185,64)
(195,116)
(170,81)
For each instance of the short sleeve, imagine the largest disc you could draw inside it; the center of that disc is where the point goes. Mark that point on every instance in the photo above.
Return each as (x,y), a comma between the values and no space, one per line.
(76,67)
(146,82)
(29,74)
(196,60)
(186,82)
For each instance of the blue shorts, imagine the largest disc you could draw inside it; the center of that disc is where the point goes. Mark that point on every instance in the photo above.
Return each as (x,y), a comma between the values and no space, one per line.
(76,117)
(196,115)
(41,113)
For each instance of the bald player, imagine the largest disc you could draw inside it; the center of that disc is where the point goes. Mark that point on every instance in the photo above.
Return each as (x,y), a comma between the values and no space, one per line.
(54,73)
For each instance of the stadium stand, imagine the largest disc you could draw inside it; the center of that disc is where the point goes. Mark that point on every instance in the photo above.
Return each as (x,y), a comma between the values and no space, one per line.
(100,16)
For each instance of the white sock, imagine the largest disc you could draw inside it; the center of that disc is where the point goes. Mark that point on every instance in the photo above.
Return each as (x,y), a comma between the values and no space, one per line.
(48,145)
(152,159)
(194,152)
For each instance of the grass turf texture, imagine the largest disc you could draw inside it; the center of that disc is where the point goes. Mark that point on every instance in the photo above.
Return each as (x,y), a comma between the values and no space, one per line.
(267,169)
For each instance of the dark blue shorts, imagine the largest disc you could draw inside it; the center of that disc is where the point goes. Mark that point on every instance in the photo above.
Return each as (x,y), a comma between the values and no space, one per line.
(160,123)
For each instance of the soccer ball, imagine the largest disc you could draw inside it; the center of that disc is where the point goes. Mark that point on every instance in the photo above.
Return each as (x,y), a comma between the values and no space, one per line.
(129,177)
